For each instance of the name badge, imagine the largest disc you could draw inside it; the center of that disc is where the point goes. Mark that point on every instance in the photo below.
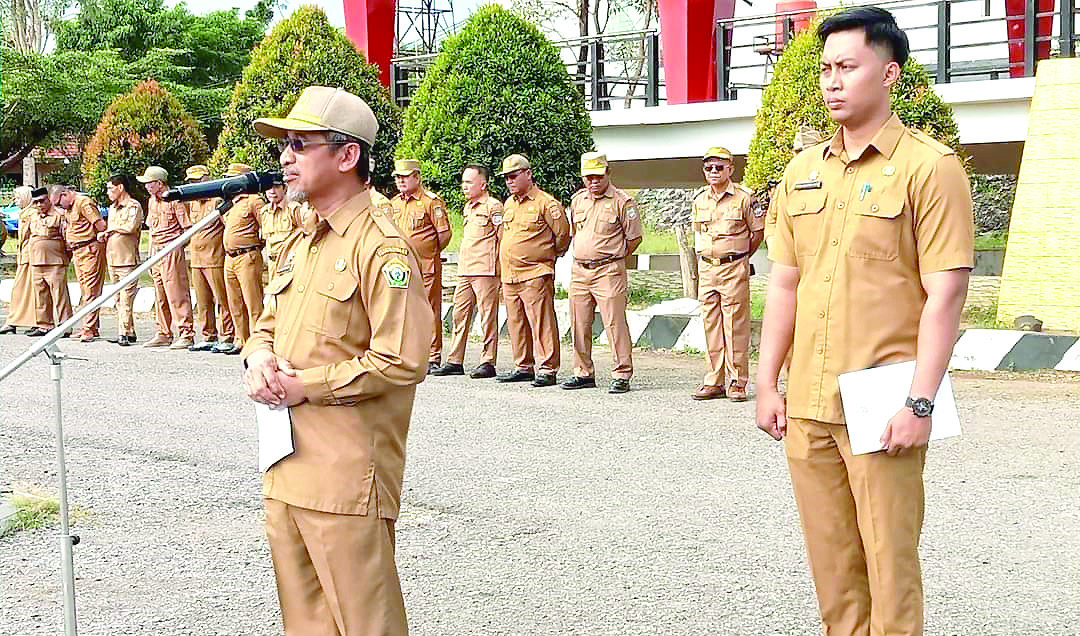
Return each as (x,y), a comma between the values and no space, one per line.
(808,185)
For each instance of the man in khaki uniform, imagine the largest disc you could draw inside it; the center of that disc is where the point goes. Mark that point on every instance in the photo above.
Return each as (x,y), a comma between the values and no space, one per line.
(343,342)
(48,265)
(243,263)
(535,233)
(727,230)
(121,239)
(166,221)
(84,222)
(378,199)
(872,250)
(421,215)
(606,229)
(208,270)
(277,220)
(21,310)
(478,275)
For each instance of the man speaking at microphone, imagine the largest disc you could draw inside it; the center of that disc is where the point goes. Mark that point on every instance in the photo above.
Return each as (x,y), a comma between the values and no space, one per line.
(342,342)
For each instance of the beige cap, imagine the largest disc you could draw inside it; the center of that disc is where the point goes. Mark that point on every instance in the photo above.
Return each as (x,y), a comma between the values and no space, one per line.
(717,152)
(405,167)
(805,137)
(513,163)
(237,169)
(322,109)
(593,163)
(198,171)
(154,173)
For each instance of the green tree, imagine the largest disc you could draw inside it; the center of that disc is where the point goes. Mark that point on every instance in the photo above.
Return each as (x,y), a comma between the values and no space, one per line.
(498,87)
(793,98)
(302,50)
(147,126)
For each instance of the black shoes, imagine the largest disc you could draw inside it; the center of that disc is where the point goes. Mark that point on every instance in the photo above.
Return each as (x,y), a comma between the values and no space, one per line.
(36,332)
(432,367)
(126,341)
(207,345)
(485,370)
(619,385)
(449,369)
(579,382)
(6,329)
(544,379)
(517,376)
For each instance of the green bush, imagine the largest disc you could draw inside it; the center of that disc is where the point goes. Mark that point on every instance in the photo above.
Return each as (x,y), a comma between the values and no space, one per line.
(145,127)
(793,98)
(497,88)
(302,50)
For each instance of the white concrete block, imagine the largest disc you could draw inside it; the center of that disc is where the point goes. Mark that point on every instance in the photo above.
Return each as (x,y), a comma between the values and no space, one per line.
(144,300)
(983,349)
(676,307)
(6,286)
(693,337)
(1071,361)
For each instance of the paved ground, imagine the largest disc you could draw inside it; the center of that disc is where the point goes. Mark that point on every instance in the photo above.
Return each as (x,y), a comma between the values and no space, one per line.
(526,511)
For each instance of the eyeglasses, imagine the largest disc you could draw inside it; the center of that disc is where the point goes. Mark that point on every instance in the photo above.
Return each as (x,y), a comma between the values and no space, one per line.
(299,145)
(510,176)
(714,168)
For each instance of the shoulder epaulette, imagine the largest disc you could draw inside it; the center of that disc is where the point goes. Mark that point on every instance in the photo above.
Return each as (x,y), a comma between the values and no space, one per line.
(381,216)
(929,141)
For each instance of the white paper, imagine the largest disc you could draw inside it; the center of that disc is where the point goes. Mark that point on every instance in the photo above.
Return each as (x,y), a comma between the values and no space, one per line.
(872,396)
(275,435)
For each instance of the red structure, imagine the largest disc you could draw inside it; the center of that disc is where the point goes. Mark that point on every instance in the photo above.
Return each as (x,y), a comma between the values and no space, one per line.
(370,26)
(1044,24)
(687,32)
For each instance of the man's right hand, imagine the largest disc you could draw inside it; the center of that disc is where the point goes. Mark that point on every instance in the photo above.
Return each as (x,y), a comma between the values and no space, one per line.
(261,379)
(772,413)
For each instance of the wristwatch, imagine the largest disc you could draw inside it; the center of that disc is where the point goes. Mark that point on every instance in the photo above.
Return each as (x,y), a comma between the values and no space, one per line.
(921,407)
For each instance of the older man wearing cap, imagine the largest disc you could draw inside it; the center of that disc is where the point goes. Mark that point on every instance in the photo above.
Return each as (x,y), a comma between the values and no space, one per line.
(535,233)
(277,220)
(727,231)
(48,264)
(166,221)
(421,215)
(606,229)
(84,222)
(243,263)
(208,271)
(343,342)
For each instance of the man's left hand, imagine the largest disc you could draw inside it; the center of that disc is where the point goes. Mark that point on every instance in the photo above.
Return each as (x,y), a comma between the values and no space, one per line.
(904,432)
(294,389)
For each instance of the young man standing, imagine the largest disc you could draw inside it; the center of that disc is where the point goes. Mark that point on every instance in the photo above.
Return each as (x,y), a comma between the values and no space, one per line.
(872,249)
(172,289)
(121,240)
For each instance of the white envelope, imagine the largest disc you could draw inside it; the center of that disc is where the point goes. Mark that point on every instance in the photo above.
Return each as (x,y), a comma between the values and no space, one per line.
(275,435)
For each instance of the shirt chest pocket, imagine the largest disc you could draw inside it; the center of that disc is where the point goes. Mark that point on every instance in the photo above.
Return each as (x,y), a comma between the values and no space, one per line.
(332,306)
(805,208)
(878,222)
(477,224)
(419,220)
(274,290)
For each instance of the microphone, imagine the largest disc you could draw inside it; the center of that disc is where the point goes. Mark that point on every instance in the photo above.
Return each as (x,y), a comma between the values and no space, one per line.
(247,183)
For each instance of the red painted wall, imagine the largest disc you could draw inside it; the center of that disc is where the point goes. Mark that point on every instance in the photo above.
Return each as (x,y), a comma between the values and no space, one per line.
(687,32)
(370,26)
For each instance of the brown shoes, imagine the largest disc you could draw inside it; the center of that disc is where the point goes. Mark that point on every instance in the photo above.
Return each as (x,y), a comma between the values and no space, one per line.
(183,342)
(736,393)
(159,341)
(708,392)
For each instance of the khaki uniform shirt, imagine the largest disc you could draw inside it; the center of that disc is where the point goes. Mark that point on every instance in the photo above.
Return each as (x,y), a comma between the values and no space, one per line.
(207,249)
(535,233)
(377,198)
(276,223)
(347,308)
(862,230)
(125,226)
(421,218)
(242,222)
(81,219)
(724,224)
(25,215)
(166,220)
(602,225)
(479,251)
(47,245)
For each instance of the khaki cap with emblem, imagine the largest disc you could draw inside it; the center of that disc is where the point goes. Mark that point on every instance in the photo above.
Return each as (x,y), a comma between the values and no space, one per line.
(153,173)
(198,171)
(513,163)
(405,167)
(593,163)
(237,169)
(323,109)
(717,152)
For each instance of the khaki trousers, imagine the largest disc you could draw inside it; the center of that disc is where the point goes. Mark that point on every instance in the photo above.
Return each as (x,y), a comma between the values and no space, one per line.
(724,293)
(125,300)
(433,287)
(531,323)
(21,311)
(172,295)
(479,293)
(862,516)
(52,303)
(335,573)
(89,262)
(243,286)
(604,287)
(212,303)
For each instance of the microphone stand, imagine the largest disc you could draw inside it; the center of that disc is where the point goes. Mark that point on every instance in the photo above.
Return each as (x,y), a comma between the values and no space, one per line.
(56,358)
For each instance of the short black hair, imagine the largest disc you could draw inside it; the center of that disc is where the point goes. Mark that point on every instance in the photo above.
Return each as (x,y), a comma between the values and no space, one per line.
(480,169)
(878,24)
(121,179)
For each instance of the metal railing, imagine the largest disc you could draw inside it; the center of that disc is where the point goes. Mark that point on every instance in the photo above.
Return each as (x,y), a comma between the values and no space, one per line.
(954,40)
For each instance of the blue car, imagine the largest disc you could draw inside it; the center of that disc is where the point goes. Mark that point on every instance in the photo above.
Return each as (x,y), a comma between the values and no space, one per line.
(10,216)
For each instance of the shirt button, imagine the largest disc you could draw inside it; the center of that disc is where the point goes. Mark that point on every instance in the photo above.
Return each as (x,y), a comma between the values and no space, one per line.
(802,206)
(300,288)
(285,331)
(839,204)
(314,249)
(827,278)
(850,170)
(330,286)
(873,208)
(835,242)
(820,350)
(821,314)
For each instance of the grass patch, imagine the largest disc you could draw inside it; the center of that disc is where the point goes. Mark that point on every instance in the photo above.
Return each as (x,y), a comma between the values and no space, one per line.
(658,242)
(36,508)
(640,297)
(757,305)
(982,317)
(992,240)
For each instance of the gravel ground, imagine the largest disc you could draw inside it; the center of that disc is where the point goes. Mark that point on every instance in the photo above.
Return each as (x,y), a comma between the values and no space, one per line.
(526,511)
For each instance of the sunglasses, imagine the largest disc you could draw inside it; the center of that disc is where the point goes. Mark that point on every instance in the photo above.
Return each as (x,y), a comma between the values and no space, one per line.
(714,168)
(299,145)
(510,176)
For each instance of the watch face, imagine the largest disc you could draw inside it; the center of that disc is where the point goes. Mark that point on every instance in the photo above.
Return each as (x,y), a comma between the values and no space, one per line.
(922,407)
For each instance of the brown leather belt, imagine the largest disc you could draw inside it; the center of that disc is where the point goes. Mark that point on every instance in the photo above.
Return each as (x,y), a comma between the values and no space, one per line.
(242,251)
(600,262)
(724,260)
(82,244)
